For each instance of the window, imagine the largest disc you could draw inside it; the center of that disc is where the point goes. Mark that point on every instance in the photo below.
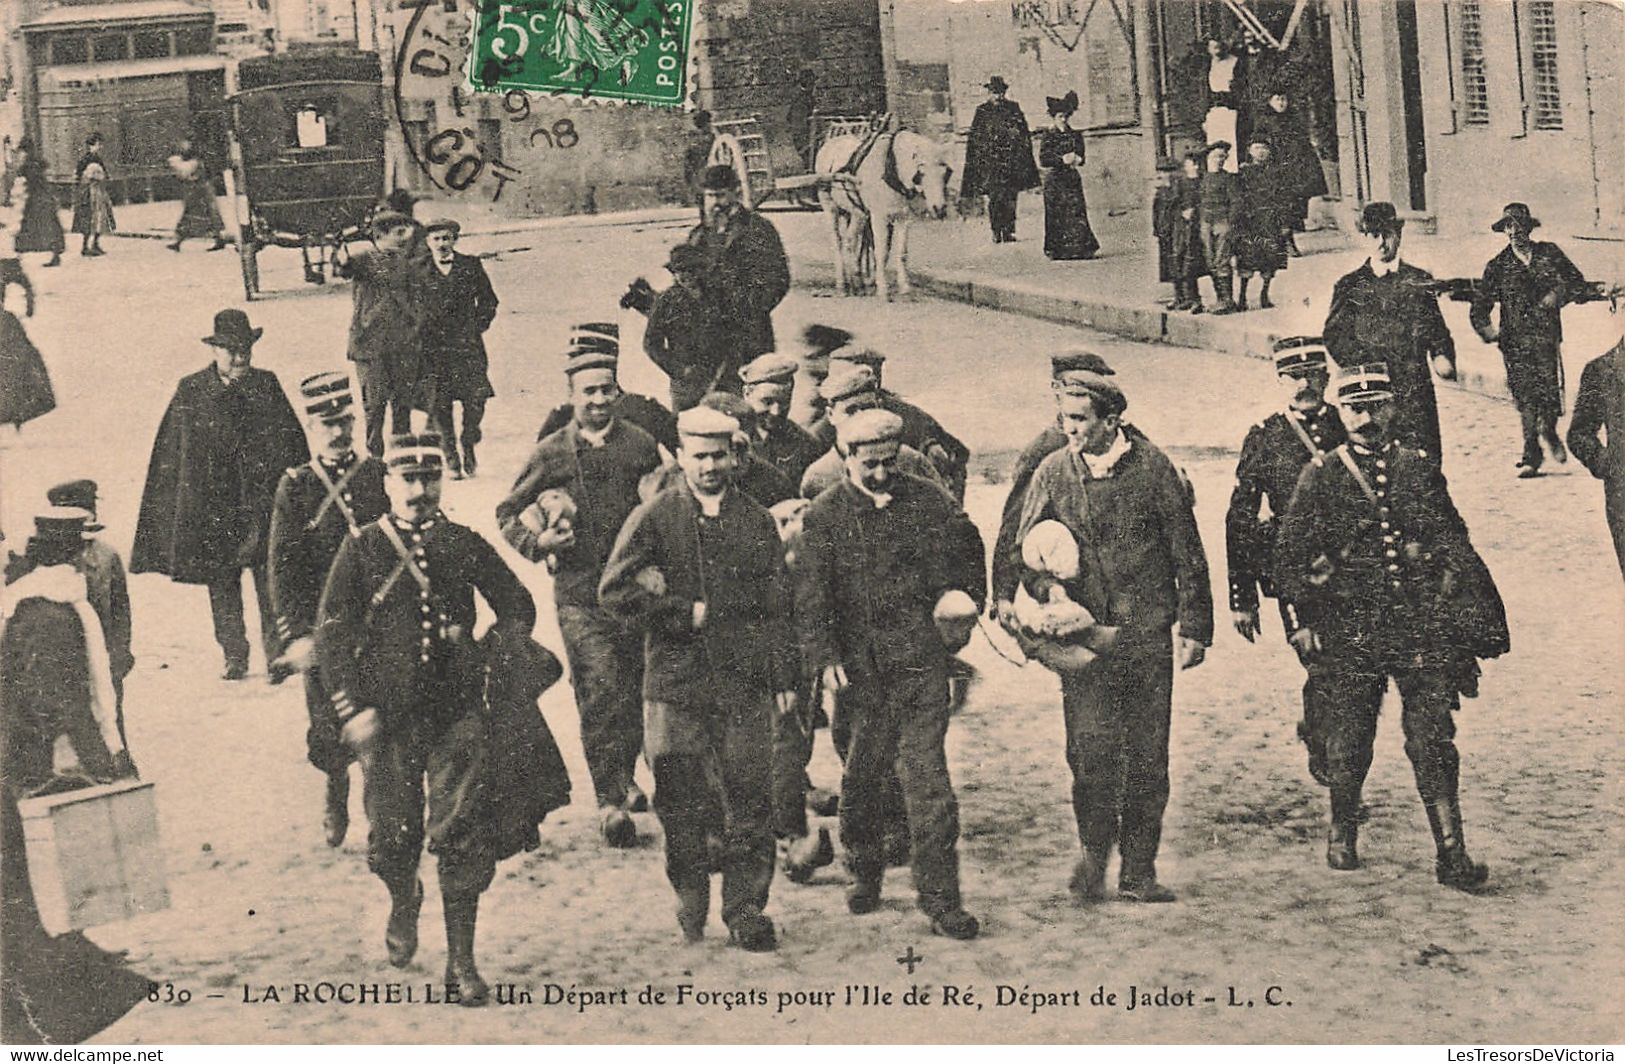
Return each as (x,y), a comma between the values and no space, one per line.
(1548,103)
(194,41)
(70,50)
(1475,103)
(110,48)
(152,44)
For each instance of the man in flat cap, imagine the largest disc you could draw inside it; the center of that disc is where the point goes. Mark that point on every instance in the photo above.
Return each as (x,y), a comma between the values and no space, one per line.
(999,159)
(598,458)
(1387,311)
(395,639)
(700,568)
(818,342)
(318,506)
(460,306)
(105,583)
(386,323)
(1072,367)
(1220,213)
(769,382)
(750,472)
(1272,458)
(847,390)
(921,431)
(226,439)
(1597,430)
(1385,583)
(1129,510)
(878,552)
(684,336)
(1532,280)
(746,272)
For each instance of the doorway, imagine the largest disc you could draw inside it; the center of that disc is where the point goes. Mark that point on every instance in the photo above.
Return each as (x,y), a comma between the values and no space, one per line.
(1410,78)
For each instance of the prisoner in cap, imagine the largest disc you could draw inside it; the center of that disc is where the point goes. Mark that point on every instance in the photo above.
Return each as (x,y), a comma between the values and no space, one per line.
(847,390)
(870,441)
(705,450)
(769,386)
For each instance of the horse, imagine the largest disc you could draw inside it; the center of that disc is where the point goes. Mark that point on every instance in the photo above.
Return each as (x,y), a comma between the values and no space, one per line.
(869,211)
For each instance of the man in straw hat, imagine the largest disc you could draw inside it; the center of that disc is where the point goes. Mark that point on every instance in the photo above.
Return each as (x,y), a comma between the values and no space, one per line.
(226,439)
(700,568)
(318,506)
(395,639)
(1272,457)
(999,158)
(1143,571)
(1597,430)
(386,323)
(1384,582)
(878,553)
(461,305)
(1387,311)
(1532,280)
(598,458)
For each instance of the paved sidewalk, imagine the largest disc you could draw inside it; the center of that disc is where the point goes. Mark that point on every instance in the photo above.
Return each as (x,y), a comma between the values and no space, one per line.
(1118,292)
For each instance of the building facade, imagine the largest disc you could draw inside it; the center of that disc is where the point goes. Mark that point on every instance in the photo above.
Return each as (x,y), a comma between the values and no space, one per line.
(1447,108)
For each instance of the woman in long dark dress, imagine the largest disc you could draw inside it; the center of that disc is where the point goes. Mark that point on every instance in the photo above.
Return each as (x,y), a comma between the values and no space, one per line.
(92,205)
(39,228)
(1066,217)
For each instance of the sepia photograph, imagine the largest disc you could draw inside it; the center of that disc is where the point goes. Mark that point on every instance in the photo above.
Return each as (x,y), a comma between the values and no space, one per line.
(774,522)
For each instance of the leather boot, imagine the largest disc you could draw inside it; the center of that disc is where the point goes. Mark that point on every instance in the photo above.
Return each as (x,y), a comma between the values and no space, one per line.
(1342,853)
(336,817)
(1222,291)
(470,464)
(401,933)
(694,909)
(1264,301)
(1088,884)
(1453,868)
(461,914)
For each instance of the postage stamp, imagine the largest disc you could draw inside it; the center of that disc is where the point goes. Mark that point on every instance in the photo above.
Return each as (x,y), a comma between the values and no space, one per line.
(633,50)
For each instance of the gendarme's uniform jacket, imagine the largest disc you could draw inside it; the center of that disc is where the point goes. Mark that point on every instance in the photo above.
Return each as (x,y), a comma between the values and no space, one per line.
(1272,458)
(734,563)
(867,578)
(318,505)
(1394,576)
(602,481)
(387,640)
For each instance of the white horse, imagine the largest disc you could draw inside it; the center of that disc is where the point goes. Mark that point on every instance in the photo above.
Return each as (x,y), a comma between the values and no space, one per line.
(868,214)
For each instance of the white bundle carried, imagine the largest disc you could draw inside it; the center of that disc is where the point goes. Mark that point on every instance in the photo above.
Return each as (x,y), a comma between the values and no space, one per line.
(1063,634)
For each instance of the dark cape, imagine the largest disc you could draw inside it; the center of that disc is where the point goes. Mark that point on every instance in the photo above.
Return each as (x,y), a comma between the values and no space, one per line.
(39,228)
(999,150)
(216,463)
(25,386)
(526,778)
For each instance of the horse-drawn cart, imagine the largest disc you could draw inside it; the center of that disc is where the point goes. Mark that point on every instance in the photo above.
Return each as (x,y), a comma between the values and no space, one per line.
(307,154)
(741,144)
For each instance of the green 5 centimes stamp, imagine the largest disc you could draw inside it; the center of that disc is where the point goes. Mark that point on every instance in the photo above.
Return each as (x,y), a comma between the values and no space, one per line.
(634,50)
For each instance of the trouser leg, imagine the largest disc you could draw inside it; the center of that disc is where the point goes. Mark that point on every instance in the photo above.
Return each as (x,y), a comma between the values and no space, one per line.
(226,609)
(1093,753)
(1529,422)
(1001,211)
(606,671)
(682,803)
(473,419)
(1146,700)
(871,752)
(921,710)
(444,420)
(1353,695)
(392,794)
(1614,506)
(459,829)
(1429,699)
(747,782)
(374,380)
(792,751)
(262,599)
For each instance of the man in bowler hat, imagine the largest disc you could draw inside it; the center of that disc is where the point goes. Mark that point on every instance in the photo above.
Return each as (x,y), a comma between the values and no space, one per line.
(226,439)
(1388,311)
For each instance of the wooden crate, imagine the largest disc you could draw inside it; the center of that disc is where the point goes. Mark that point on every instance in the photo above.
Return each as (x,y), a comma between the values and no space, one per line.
(94,856)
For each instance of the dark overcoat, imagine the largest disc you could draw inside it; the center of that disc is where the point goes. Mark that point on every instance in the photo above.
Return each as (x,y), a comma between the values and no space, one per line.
(458,307)
(525,776)
(999,150)
(746,275)
(734,563)
(220,452)
(1396,320)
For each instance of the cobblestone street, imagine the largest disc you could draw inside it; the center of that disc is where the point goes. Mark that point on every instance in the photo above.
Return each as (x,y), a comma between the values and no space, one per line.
(259,900)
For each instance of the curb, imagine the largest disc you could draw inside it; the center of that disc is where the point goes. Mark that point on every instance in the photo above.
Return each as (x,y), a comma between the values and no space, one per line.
(1134,322)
